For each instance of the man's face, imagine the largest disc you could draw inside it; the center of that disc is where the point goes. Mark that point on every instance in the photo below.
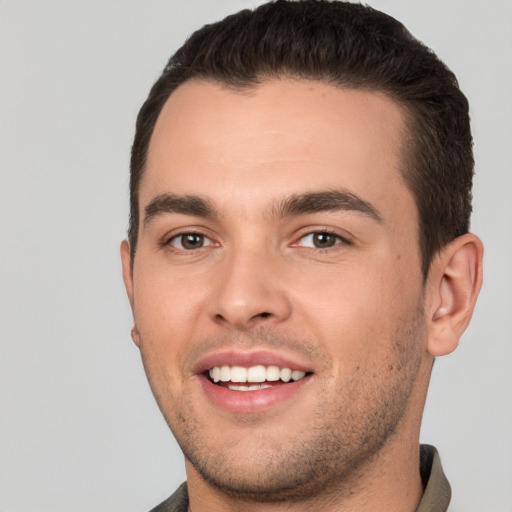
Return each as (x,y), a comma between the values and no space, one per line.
(277,234)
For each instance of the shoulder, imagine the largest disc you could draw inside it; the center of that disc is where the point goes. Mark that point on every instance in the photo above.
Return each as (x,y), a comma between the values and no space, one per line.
(178,502)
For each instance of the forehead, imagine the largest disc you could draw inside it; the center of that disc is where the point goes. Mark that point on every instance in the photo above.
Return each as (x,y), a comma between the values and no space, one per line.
(280,137)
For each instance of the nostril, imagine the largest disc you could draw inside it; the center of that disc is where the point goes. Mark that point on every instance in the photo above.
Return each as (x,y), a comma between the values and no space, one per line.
(265,314)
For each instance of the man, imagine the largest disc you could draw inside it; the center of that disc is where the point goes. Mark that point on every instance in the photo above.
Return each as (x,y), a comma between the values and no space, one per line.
(298,254)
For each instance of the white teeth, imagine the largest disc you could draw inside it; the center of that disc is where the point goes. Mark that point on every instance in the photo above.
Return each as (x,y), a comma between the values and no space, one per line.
(225,373)
(239,374)
(272,373)
(256,374)
(297,375)
(285,374)
(252,387)
(253,374)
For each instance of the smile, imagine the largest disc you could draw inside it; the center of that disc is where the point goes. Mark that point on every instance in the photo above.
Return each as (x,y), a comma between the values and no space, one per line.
(254,378)
(252,381)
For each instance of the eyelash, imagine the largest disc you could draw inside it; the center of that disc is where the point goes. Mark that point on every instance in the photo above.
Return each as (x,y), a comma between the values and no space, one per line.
(208,242)
(182,236)
(339,240)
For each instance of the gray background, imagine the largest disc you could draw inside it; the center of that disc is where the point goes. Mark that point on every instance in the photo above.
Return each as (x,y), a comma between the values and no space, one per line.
(78,426)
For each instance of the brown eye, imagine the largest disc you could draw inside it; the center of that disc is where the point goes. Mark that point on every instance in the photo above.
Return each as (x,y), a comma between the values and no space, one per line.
(324,240)
(320,240)
(190,241)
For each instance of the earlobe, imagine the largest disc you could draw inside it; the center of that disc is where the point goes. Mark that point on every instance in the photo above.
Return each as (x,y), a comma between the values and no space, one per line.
(135,336)
(455,280)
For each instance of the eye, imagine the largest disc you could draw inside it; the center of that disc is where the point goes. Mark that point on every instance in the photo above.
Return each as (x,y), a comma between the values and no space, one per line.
(190,241)
(320,240)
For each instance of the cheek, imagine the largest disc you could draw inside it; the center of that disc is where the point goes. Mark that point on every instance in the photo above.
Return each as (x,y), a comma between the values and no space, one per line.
(340,294)
(164,314)
(354,311)
(163,297)
(166,309)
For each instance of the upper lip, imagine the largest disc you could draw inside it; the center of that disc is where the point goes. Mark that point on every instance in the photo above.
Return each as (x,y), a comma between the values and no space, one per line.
(247,359)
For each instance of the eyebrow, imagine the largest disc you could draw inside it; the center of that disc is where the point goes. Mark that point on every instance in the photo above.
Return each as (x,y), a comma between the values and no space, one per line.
(186,205)
(326,201)
(297,204)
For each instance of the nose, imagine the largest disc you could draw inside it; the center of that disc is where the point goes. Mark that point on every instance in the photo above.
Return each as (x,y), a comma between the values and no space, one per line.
(249,290)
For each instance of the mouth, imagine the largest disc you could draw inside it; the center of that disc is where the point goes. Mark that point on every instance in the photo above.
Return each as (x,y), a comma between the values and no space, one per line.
(252,382)
(253,378)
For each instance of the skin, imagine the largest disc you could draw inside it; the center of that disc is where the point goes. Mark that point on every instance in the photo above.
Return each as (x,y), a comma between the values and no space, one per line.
(355,313)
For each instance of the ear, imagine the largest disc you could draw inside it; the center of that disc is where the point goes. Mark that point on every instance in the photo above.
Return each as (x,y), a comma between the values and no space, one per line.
(453,285)
(128,283)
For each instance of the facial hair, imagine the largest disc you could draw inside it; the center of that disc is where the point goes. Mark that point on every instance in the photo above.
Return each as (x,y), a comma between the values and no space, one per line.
(351,421)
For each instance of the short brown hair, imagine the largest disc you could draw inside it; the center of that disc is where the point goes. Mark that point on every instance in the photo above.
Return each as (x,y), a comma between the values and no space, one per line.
(350,46)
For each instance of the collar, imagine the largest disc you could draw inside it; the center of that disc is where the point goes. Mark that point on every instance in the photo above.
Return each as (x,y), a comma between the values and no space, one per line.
(437,493)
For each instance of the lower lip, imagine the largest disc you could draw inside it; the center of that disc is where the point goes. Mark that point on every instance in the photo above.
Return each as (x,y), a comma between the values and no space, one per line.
(251,401)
